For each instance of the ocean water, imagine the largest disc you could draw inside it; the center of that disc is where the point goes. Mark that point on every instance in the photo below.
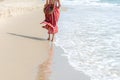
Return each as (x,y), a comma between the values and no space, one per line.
(91,2)
(89,34)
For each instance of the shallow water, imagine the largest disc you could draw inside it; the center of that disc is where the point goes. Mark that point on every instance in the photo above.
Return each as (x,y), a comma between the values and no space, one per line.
(90,36)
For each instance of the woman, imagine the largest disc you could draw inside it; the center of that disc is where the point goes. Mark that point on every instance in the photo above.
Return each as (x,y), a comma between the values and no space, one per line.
(52,12)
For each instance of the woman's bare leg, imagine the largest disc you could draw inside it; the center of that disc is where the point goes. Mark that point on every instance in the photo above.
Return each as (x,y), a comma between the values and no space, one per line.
(53,37)
(48,37)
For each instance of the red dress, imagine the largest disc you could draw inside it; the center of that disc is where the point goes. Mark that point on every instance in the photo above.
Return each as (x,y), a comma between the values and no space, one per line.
(51,21)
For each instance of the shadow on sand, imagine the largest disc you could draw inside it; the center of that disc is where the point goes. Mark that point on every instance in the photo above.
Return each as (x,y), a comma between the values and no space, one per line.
(29,37)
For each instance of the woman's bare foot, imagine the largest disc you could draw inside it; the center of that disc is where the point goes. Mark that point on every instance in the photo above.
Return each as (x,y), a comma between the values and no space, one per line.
(48,38)
(52,40)
(43,26)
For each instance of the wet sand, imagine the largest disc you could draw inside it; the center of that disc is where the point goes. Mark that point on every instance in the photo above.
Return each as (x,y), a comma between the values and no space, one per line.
(62,70)
(56,67)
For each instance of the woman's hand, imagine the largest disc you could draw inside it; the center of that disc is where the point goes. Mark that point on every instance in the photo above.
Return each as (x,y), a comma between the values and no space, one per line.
(45,5)
(59,6)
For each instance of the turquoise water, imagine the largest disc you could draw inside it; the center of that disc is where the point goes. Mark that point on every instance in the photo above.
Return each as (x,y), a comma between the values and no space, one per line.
(111,1)
(90,37)
(95,2)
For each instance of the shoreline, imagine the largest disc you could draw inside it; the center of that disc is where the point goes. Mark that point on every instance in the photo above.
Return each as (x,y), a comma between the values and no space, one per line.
(56,67)
(63,70)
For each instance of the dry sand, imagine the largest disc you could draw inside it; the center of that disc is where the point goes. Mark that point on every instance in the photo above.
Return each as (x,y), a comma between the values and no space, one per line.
(23,46)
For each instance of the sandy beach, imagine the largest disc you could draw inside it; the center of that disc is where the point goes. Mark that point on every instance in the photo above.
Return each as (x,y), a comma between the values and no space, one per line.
(25,54)
(23,46)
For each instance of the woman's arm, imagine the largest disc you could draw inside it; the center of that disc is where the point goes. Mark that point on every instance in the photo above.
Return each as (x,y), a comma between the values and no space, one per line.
(47,2)
(59,4)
